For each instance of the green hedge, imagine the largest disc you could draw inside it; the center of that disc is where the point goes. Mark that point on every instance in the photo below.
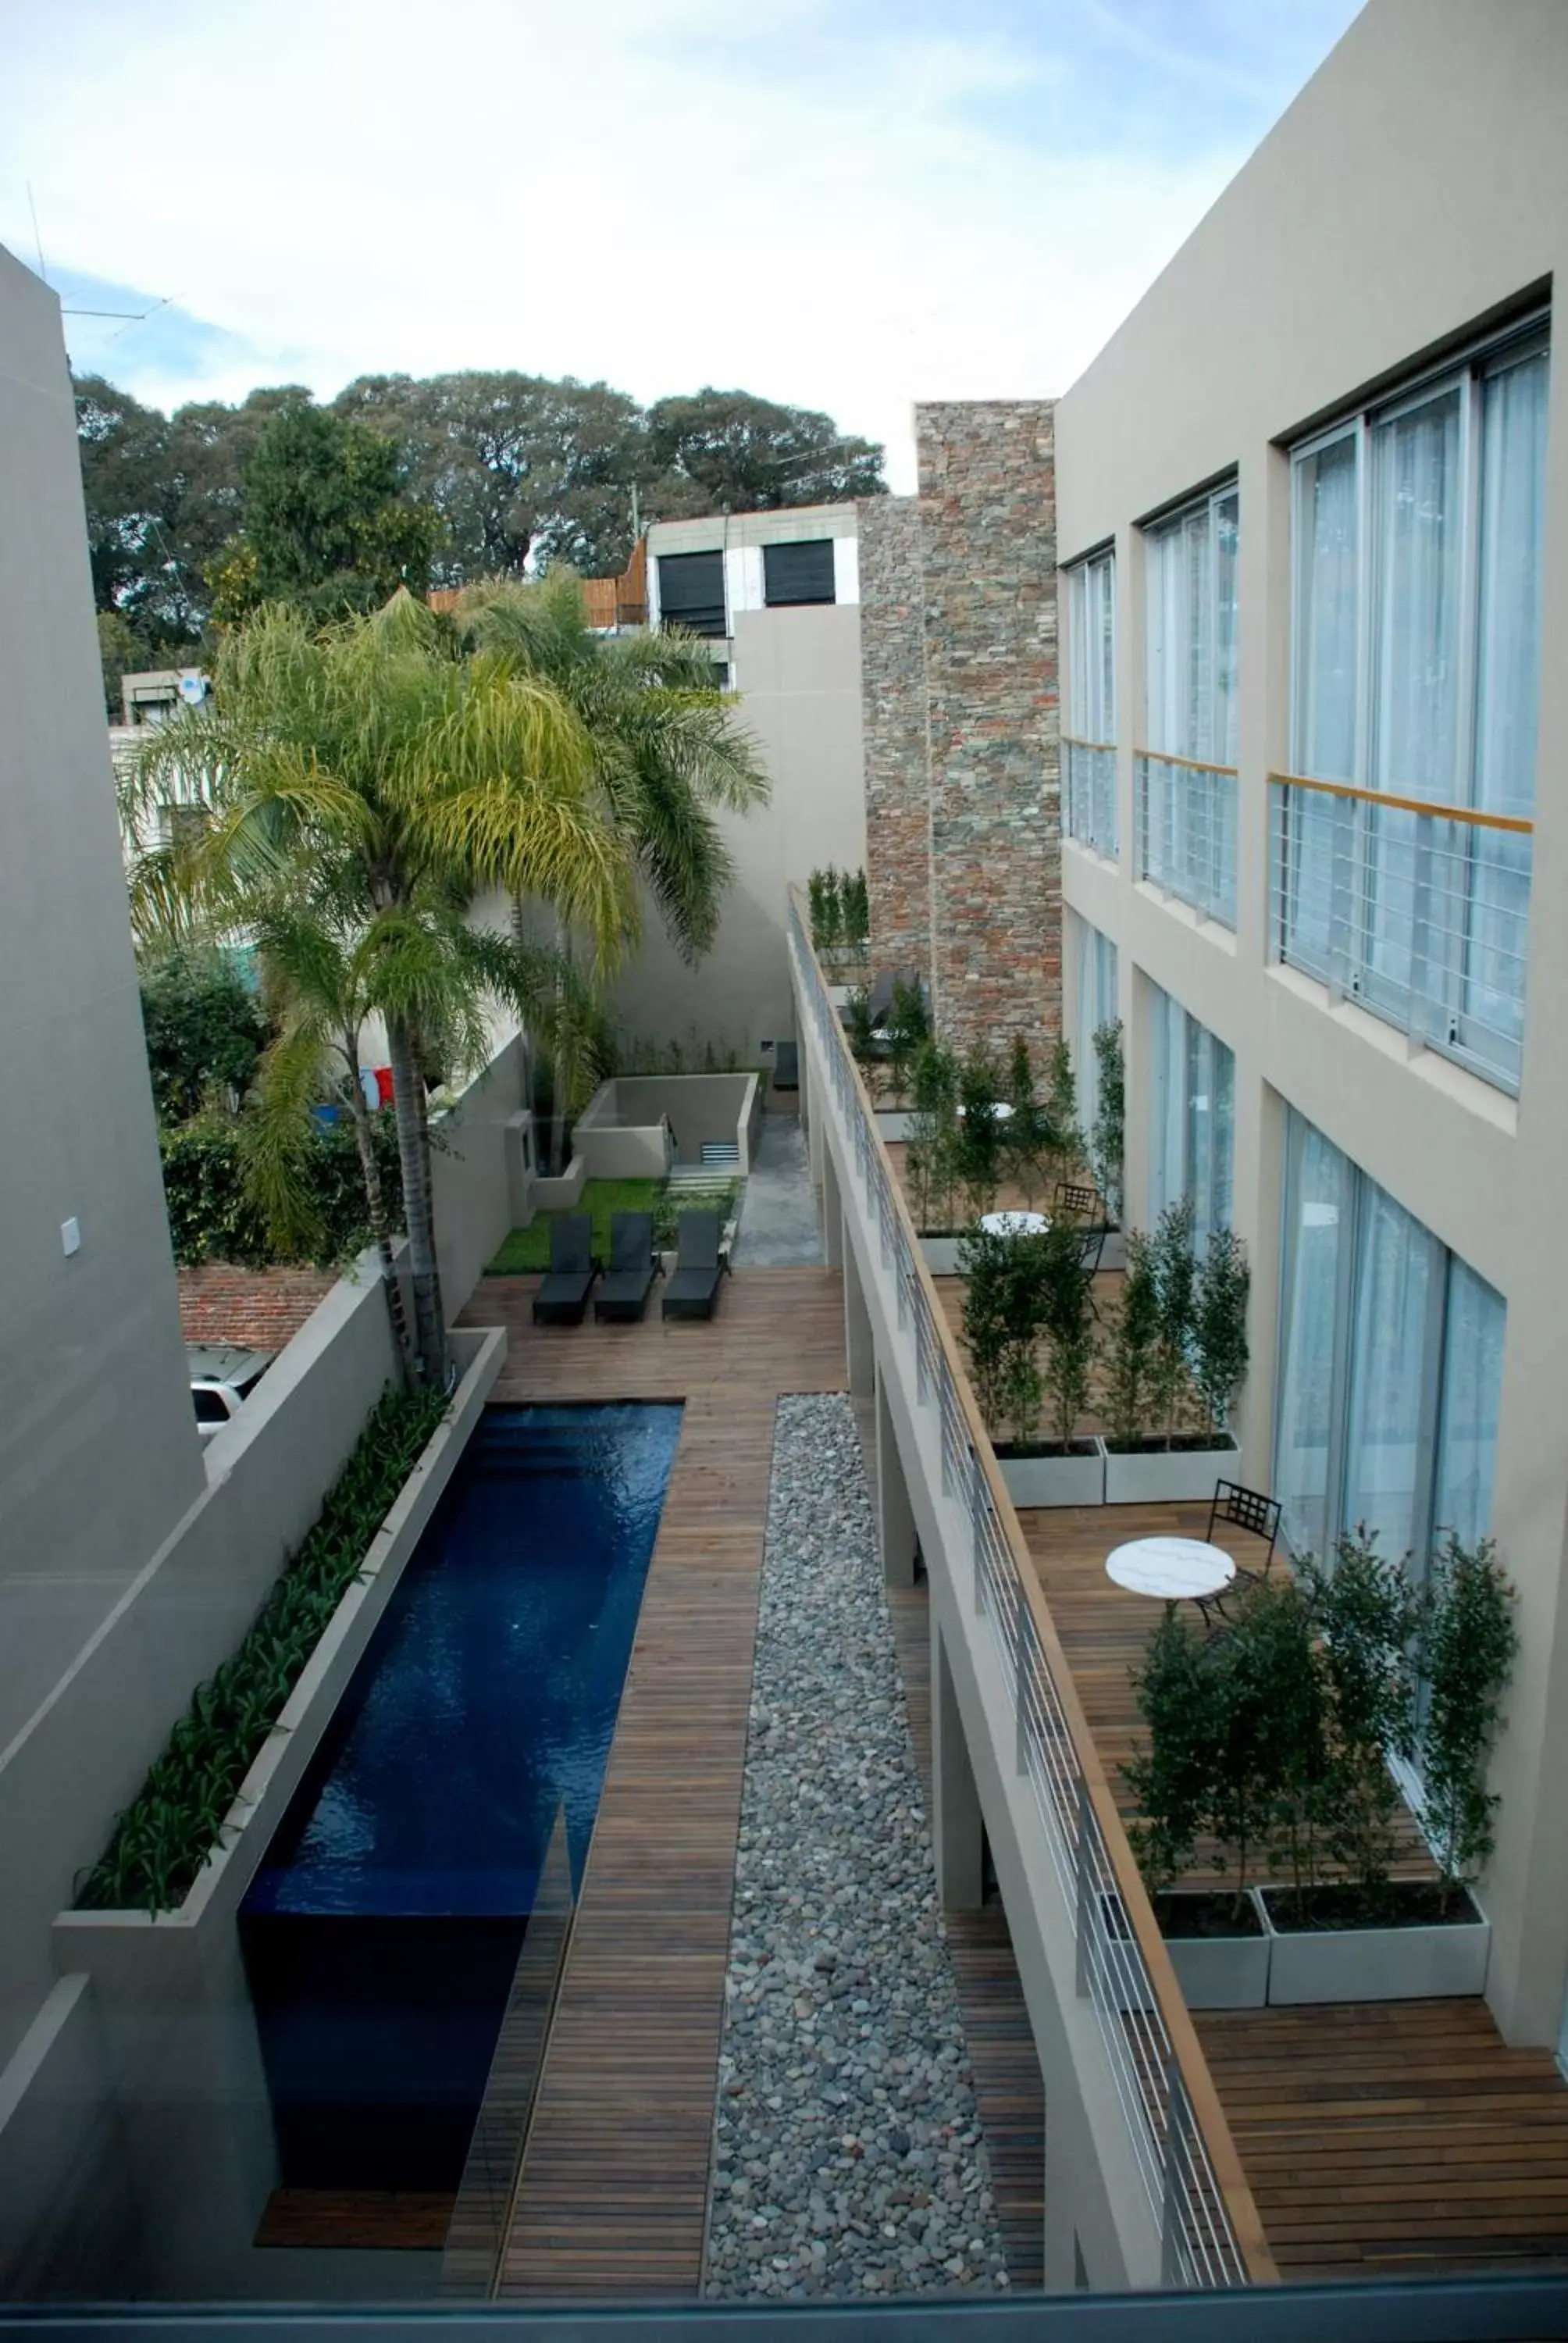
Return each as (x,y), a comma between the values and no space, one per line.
(211,1218)
(161,1840)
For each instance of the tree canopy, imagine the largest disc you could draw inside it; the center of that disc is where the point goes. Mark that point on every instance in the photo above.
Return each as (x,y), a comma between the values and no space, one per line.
(479,474)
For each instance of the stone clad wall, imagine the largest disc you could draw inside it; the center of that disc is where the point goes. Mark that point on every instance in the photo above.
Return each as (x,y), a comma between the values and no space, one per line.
(961,716)
(893,725)
(988,542)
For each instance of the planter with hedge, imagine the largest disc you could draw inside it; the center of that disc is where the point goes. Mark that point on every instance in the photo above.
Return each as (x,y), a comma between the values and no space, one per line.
(1271,1742)
(1176,1355)
(1029,1330)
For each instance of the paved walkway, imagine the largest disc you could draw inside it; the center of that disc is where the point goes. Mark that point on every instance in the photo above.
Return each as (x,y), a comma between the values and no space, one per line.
(778,1213)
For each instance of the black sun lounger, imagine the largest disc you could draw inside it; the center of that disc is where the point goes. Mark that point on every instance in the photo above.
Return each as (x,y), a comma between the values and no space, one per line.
(693,1289)
(623,1294)
(563,1297)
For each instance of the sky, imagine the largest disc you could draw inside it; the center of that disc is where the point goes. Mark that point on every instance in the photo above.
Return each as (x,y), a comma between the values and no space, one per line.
(848,205)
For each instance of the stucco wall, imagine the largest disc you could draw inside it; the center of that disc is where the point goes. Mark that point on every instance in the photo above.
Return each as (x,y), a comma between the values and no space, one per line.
(98,1450)
(475,1173)
(1322,275)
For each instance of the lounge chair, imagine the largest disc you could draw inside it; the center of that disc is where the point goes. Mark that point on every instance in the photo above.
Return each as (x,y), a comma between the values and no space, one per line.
(623,1295)
(563,1297)
(693,1289)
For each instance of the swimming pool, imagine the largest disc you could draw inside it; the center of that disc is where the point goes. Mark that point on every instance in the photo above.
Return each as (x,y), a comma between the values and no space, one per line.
(382,1929)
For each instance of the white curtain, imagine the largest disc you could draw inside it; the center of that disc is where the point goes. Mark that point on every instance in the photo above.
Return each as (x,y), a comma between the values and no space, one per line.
(1096,1007)
(1471,1385)
(1327,611)
(1317,1213)
(1398,1267)
(1191,1117)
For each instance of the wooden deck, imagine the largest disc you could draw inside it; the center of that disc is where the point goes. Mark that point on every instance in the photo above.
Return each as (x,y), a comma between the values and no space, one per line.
(612,2197)
(1379,2139)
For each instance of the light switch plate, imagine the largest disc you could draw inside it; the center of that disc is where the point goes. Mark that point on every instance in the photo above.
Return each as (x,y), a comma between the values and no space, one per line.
(70,1236)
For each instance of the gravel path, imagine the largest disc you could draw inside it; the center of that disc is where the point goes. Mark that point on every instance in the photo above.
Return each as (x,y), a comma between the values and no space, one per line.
(848,2159)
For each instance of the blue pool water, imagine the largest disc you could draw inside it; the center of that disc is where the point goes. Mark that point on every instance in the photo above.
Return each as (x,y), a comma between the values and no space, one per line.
(381,1931)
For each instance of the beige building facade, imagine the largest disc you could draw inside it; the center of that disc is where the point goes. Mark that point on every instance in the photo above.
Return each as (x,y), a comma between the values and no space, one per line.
(1312,506)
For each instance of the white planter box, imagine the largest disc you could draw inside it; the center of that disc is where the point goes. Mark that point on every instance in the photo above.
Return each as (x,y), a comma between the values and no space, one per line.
(1114,1255)
(1179,1476)
(941,1255)
(1055,1480)
(894,1121)
(1223,1972)
(1377,1964)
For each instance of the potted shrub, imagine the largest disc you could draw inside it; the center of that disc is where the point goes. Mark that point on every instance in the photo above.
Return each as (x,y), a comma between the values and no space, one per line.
(1036,1288)
(932,1162)
(978,1159)
(1191,1323)
(1207,1770)
(904,1029)
(1106,1138)
(861,1034)
(1362,1934)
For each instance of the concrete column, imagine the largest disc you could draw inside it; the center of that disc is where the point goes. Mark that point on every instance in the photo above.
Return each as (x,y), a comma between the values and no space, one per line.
(832,1212)
(860,1351)
(957,1831)
(895,1515)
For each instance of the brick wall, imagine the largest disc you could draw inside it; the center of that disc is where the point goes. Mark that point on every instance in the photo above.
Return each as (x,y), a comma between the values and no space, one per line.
(962,720)
(256,1309)
(893,726)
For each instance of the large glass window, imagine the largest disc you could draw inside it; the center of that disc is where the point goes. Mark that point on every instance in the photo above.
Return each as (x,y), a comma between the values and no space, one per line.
(1391,1364)
(1089,756)
(1186,770)
(1417,553)
(1096,1007)
(1191,1117)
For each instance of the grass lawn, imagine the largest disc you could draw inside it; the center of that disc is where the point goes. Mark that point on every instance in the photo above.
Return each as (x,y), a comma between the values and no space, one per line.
(530,1249)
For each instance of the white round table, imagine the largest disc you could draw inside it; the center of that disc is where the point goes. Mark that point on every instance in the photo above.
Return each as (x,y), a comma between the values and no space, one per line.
(1015,1224)
(1001,1107)
(1175,1569)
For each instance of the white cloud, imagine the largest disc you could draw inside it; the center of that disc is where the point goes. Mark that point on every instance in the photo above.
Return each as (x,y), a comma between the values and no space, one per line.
(603,189)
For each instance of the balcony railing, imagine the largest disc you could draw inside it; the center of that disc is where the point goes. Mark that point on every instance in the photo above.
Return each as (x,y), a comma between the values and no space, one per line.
(1180,2143)
(1186,831)
(1089,794)
(1419,912)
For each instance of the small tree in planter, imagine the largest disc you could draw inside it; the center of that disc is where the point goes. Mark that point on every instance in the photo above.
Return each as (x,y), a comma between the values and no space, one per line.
(977,1162)
(990,1336)
(1171,1778)
(1367,1618)
(861,1034)
(1061,1104)
(1468,1643)
(906,1027)
(933,1133)
(1134,1336)
(1028,1139)
(1063,1280)
(1106,1141)
(826,911)
(1219,1333)
(854,913)
(1174,1274)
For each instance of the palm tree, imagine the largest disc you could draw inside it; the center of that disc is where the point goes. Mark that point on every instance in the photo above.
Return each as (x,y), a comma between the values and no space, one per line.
(371,768)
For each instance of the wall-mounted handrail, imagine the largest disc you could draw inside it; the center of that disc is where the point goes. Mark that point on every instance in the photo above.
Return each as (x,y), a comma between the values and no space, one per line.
(1199,2196)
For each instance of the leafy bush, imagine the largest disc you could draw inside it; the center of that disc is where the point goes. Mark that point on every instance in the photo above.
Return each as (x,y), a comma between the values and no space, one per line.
(1469,1642)
(165,1836)
(934,1128)
(205,1032)
(1133,1338)
(1219,1325)
(211,1218)
(1106,1141)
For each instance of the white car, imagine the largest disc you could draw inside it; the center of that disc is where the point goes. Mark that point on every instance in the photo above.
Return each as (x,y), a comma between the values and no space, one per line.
(221,1380)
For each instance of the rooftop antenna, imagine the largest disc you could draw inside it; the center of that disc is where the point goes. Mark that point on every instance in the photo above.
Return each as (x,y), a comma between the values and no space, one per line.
(37,239)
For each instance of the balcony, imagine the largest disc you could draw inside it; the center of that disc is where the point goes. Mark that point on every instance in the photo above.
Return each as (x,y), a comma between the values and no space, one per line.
(1418,913)
(1089,795)
(1185,837)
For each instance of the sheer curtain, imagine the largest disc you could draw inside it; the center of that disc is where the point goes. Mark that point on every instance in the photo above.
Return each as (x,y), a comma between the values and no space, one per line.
(1096,1007)
(1398,1275)
(1327,600)
(1191,1117)
(1168,1103)
(1508,657)
(1317,1213)
(1471,1385)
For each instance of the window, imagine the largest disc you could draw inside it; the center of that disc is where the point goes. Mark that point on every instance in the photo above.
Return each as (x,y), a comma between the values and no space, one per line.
(1192,1117)
(1089,758)
(1390,1364)
(1416,616)
(1186,772)
(691,591)
(1096,1007)
(798,573)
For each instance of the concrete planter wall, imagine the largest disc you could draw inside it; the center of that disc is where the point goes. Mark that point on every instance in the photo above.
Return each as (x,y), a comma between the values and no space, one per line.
(1173,1478)
(895,1121)
(1223,1972)
(189,2092)
(561,1193)
(1376,1964)
(1114,1255)
(1055,1480)
(941,1255)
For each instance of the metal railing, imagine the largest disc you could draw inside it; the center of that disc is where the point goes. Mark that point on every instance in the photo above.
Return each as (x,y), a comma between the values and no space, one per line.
(1185,826)
(1180,2143)
(1419,912)
(1089,794)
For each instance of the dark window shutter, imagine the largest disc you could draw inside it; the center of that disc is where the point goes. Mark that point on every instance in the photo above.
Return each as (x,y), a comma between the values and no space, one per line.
(691,591)
(798,573)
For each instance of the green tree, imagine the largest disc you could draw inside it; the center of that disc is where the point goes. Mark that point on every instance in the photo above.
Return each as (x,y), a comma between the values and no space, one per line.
(368,764)
(328,523)
(1468,1645)
(730,451)
(205,1029)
